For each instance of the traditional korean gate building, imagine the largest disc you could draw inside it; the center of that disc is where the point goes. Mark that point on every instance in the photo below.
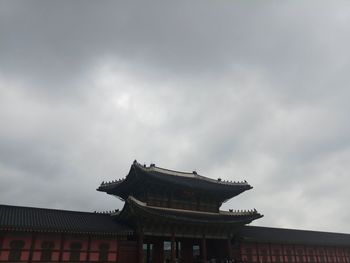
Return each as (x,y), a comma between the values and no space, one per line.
(181,208)
(168,216)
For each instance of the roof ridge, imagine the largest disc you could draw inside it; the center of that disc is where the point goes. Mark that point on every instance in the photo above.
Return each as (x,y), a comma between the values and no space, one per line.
(50,209)
(35,219)
(154,167)
(194,174)
(294,229)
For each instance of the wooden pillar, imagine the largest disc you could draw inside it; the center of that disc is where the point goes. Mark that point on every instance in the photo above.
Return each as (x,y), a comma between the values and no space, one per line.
(257,252)
(173,250)
(177,249)
(283,254)
(204,250)
(117,251)
(2,237)
(32,246)
(158,251)
(88,249)
(229,248)
(270,252)
(140,247)
(343,251)
(335,255)
(161,251)
(148,256)
(295,254)
(186,253)
(326,254)
(60,257)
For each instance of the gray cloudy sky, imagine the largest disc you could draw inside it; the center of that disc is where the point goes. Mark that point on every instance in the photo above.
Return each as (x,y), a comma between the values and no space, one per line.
(233,89)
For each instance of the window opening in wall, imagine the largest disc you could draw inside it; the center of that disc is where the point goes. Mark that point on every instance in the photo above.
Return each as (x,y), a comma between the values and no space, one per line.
(16,247)
(178,250)
(347,255)
(46,250)
(312,257)
(264,255)
(196,252)
(75,251)
(147,252)
(249,254)
(277,253)
(300,256)
(331,256)
(103,255)
(322,259)
(167,251)
(289,256)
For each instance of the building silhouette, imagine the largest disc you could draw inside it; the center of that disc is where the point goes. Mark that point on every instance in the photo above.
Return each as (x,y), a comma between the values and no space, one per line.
(168,216)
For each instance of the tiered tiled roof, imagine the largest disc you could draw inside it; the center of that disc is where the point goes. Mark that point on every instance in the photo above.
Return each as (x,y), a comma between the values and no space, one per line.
(141,174)
(30,219)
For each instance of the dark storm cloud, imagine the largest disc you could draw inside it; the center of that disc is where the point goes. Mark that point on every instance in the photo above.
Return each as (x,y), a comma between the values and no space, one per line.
(237,90)
(63,38)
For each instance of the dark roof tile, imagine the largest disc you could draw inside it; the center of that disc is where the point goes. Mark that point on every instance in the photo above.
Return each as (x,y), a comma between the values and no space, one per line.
(139,175)
(52,220)
(293,236)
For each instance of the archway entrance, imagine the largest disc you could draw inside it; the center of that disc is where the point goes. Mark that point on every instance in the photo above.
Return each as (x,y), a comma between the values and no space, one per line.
(185,250)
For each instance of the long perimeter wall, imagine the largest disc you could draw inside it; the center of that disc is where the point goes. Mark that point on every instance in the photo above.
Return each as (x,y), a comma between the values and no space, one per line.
(288,253)
(31,247)
(27,247)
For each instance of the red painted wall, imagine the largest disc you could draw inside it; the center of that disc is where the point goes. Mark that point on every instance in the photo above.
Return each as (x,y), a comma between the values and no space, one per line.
(39,239)
(6,240)
(94,249)
(33,246)
(126,251)
(288,253)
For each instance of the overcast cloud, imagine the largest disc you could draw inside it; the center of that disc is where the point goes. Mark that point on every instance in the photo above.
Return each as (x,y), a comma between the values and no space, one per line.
(255,91)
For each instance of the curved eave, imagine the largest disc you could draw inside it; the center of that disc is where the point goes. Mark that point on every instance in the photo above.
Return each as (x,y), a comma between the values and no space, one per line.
(121,187)
(110,186)
(134,208)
